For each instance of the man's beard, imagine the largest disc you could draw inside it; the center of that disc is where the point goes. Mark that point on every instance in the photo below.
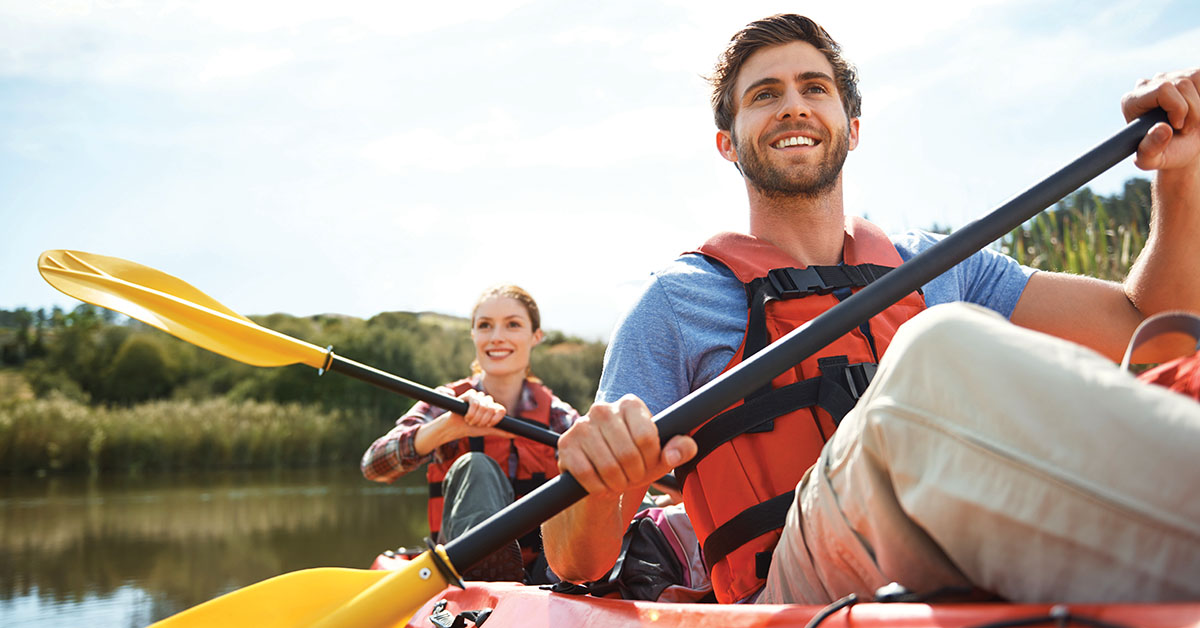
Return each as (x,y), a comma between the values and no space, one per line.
(776,183)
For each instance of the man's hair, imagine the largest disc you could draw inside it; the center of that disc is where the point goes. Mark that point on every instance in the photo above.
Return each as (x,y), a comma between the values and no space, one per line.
(783,28)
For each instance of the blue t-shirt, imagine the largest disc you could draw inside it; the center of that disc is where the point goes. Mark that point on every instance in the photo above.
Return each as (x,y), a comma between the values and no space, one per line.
(689,320)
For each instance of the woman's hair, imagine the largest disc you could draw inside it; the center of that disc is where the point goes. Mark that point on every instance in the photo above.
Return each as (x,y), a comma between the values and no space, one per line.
(773,31)
(513,292)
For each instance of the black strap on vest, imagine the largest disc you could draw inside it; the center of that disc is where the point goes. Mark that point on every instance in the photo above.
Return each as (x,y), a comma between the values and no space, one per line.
(749,524)
(524,487)
(795,283)
(836,390)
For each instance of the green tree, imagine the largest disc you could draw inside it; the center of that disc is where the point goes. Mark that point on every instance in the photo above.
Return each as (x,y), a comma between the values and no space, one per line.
(140,371)
(17,346)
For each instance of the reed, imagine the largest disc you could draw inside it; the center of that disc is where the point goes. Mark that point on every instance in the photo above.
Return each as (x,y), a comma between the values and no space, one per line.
(58,434)
(1086,234)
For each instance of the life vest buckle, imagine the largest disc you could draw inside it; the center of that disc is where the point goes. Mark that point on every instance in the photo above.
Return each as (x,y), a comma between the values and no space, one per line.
(793,283)
(858,377)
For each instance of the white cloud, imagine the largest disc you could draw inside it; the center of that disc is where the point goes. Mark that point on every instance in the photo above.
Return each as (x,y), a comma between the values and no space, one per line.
(170,45)
(591,34)
(658,133)
(241,62)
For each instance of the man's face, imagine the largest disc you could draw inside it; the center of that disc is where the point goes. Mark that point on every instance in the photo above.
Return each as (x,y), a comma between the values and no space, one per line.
(790,134)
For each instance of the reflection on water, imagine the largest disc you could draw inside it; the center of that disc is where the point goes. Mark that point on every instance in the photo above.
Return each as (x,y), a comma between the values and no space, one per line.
(99,552)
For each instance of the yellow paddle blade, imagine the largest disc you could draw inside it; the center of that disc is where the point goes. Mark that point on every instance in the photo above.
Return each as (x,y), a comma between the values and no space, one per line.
(325,598)
(174,306)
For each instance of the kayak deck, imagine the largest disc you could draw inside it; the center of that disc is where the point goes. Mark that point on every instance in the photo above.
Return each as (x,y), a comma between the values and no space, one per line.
(515,605)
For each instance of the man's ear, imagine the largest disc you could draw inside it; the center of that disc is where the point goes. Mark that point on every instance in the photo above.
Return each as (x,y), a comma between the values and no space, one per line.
(853,133)
(725,146)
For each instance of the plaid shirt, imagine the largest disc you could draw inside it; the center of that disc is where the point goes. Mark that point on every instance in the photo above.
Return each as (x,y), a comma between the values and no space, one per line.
(394,454)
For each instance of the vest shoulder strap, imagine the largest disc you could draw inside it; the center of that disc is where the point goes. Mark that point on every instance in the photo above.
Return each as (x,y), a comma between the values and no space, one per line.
(750,257)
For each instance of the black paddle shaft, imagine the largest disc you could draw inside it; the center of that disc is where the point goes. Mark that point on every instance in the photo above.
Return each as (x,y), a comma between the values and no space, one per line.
(513,425)
(387,381)
(691,411)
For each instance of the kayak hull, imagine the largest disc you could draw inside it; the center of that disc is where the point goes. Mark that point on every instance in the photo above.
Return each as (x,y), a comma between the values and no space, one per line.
(514,605)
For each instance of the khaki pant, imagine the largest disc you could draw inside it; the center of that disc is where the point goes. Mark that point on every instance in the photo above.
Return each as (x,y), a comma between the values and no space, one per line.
(987,455)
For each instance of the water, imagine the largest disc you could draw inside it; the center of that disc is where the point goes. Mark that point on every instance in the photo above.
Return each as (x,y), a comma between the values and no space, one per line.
(98,552)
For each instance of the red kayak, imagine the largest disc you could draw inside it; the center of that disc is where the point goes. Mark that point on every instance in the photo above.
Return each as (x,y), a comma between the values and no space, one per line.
(518,606)
(512,605)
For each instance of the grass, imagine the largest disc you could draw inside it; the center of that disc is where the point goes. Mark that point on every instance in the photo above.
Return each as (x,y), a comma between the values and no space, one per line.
(60,435)
(14,386)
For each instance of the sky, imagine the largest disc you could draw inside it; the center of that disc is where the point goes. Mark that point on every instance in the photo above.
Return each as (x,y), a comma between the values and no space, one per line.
(357,157)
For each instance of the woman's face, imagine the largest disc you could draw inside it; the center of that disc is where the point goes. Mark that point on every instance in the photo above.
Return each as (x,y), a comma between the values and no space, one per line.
(503,336)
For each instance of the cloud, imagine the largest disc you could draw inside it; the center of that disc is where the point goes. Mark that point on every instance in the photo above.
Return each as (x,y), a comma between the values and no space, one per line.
(592,34)
(655,133)
(186,45)
(241,62)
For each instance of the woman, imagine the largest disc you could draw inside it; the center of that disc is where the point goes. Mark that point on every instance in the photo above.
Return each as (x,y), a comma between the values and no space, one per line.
(476,469)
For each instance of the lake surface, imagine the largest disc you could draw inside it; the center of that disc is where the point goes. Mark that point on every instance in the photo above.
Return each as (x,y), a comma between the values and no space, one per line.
(98,552)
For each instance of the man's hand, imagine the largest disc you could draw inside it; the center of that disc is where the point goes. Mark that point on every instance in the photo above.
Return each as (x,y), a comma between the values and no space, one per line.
(1178,93)
(615,448)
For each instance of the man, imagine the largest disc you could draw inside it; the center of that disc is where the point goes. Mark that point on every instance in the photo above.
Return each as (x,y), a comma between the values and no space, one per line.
(881,504)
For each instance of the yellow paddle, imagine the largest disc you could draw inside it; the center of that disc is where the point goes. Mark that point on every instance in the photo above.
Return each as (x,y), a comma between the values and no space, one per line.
(178,308)
(350,598)
(325,596)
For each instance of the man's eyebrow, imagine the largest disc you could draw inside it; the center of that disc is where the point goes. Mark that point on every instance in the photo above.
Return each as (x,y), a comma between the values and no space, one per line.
(808,76)
(759,83)
(803,76)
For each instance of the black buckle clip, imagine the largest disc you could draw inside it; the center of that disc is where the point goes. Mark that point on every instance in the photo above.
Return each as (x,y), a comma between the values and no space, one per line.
(859,376)
(791,283)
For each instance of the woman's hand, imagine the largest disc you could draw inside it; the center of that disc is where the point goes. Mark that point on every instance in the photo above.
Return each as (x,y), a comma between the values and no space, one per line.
(483,413)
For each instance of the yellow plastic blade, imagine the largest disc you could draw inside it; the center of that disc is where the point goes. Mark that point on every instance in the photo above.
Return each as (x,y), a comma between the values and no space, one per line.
(325,598)
(174,306)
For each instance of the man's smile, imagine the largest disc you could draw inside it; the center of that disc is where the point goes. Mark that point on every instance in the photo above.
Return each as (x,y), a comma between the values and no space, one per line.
(795,140)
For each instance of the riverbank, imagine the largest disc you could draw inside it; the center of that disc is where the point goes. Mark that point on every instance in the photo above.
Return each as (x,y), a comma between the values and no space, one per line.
(40,436)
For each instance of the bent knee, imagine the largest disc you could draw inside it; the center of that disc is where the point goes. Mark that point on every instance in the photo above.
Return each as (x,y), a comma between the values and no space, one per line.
(473,463)
(942,329)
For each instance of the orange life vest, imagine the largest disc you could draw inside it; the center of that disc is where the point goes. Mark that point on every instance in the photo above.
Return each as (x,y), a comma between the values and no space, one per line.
(526,463)
(752,455)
